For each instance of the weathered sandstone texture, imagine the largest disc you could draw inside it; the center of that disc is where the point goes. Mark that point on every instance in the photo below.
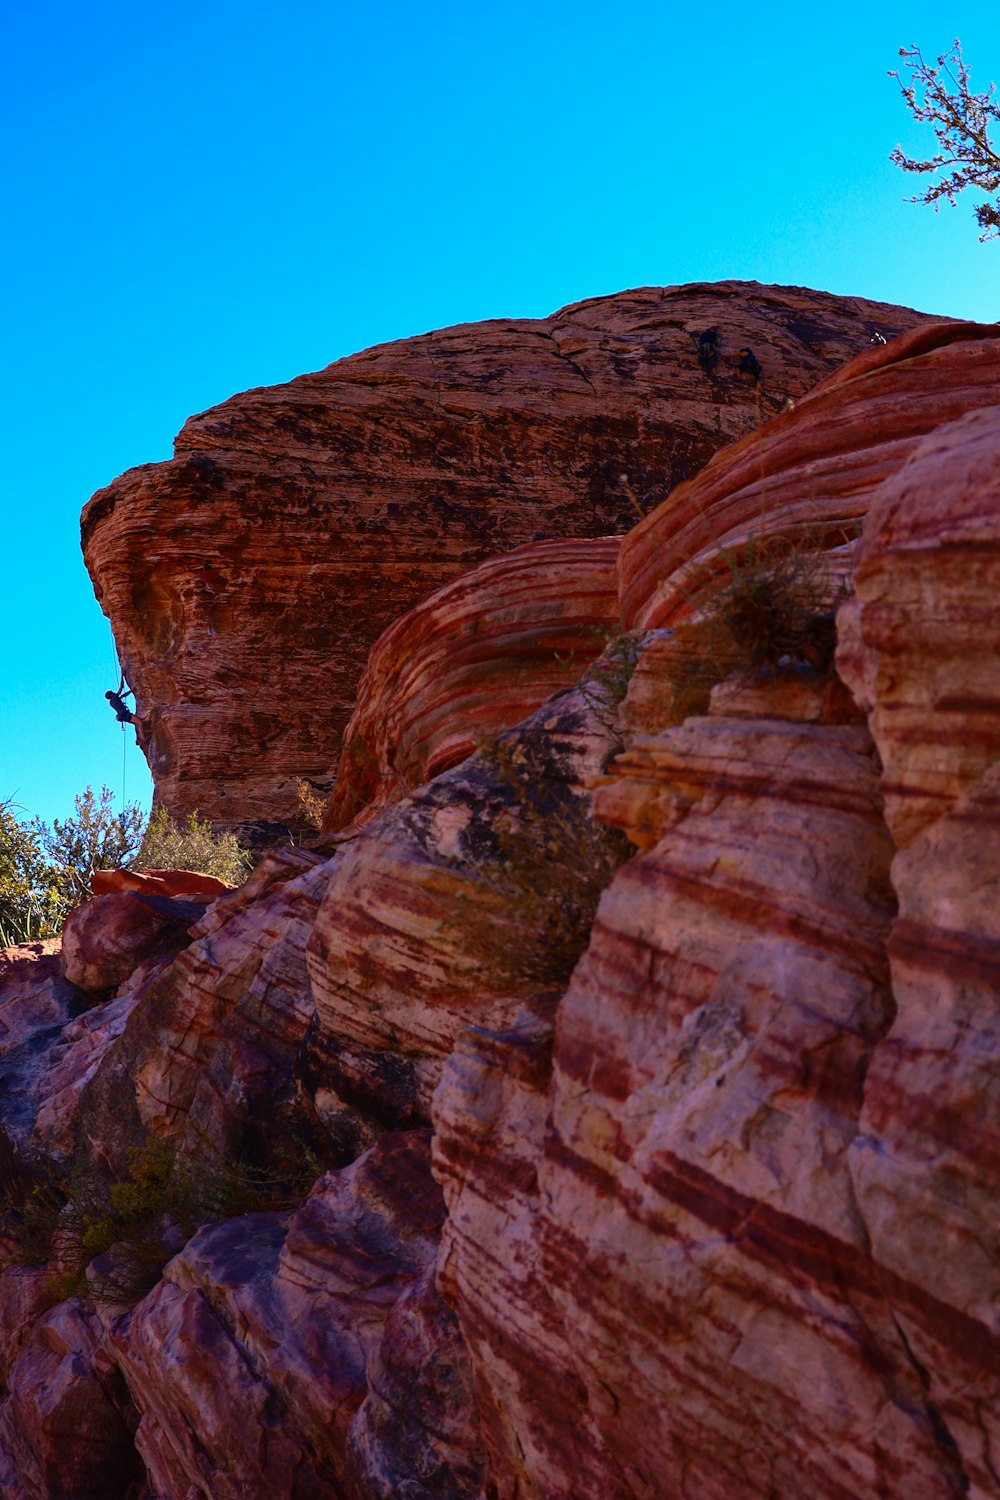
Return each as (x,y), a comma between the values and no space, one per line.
(639,1070)
(246,578)
(808,477)
(477,656)
(267,1329)
(433,915)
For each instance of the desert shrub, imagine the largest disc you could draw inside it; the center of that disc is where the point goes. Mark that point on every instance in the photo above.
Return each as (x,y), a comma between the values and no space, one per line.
(545,865)
(776,609)
(95,838)
(311,805)
(28,897)
(940,95)
(605,683)
(46,871)
(126,1230)
(191,845)
(780,602)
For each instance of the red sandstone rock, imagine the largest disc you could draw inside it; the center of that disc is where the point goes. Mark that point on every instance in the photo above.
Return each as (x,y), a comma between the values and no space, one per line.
(444,909)
(721,1215)
(922,638)
(656,1236)
(476,657)
(64,1425)
(36,1003)
(249,1361)
(922,651)
(157,882)
(210,1040)
(247,577)
(810,474)
(105,938)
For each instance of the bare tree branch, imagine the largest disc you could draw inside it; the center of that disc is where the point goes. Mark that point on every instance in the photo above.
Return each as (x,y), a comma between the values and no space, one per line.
(940,96)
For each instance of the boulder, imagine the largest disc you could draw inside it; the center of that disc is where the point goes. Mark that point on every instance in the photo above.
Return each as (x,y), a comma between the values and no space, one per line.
(209,1041)
(158,882)
(106,938)
(36,1002)
(65,1424)
(249,1362)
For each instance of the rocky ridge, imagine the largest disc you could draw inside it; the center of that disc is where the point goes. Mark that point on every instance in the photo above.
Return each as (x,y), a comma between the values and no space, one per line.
(642,1060)
(248,576)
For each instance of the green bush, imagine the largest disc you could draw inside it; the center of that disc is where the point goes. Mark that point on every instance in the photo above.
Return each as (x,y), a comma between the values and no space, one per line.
(95,838)
(28,899)
(46,871)
(191,845)
(69,1219)
(545,864)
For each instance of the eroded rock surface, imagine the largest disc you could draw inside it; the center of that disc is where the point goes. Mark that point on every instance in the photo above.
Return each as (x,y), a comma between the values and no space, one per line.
(268,1329)
(923,648)
(809,476)
(37,1002)
(720,1173)
(247,577)
(479,655)
(456,903)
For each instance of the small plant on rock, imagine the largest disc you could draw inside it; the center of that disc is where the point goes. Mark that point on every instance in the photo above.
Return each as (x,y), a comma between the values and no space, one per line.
(111,1240)
(191,845)
(545,864)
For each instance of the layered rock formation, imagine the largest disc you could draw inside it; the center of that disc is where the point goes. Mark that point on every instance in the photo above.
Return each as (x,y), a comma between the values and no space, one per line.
(247,578)
(808,478)
(655,1132)
(477,656)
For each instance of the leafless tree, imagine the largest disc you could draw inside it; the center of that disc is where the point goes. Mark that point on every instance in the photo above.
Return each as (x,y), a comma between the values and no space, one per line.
(940,95)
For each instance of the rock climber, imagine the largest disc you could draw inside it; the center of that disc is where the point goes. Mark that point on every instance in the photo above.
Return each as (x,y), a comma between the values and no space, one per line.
(123,713)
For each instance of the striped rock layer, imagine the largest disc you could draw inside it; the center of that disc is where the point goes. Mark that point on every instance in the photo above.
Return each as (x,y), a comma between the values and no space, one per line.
(722,1223)
(247,577)
(480,654)
(715,1123)
(807,478)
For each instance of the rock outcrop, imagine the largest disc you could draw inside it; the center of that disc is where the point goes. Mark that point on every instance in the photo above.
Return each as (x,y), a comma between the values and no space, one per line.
(247,577)
(477,656)
(809,476)
(638,1069)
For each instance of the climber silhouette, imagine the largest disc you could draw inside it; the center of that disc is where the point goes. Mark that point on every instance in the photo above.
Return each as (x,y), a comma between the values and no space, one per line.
(123,713)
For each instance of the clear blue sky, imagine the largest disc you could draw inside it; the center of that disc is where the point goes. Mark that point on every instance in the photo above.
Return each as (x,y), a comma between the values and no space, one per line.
(205,197)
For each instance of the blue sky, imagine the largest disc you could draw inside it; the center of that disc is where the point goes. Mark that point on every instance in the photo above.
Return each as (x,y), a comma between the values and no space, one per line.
(206,197)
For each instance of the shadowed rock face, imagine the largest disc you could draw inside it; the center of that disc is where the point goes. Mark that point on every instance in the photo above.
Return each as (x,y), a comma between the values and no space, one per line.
(246,578)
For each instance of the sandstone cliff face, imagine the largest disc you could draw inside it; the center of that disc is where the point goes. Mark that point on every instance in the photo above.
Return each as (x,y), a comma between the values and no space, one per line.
(477,656)
(247,578)
(656,1129)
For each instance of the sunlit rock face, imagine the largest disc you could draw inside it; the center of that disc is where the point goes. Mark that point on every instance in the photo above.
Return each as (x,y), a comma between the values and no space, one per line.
(722,1223)
(247,577)
(808,477)
(922,648)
